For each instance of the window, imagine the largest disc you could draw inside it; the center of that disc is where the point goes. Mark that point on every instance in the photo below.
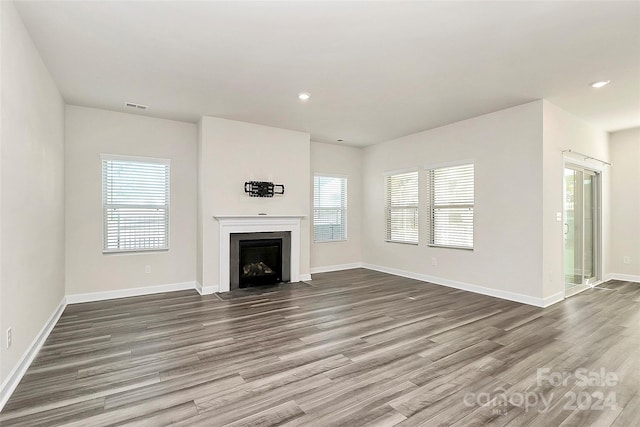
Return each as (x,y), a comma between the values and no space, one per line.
(450,192)
(135,204)
(401,203)
(329,208)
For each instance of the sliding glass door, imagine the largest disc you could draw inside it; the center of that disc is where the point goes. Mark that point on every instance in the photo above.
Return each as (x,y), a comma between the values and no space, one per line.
(581,227)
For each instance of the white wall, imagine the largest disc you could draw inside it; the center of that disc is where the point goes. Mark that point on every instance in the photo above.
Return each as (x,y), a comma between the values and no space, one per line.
(506,147)
(90,132)
(564,131)
(625,203)
(231,153)
(339,160)
(32,190)
(199,227)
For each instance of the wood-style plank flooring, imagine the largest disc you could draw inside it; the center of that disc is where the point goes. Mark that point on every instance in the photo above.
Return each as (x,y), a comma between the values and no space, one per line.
(354,348)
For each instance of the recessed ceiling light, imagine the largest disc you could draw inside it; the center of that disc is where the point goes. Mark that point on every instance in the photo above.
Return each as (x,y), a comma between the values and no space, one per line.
(339,140)
(600,84)
(303,96)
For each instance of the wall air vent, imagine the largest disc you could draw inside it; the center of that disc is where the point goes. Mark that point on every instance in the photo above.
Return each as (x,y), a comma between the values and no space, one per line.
(138,106)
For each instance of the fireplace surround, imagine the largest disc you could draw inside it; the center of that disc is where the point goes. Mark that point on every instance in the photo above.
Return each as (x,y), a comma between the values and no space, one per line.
(230,224)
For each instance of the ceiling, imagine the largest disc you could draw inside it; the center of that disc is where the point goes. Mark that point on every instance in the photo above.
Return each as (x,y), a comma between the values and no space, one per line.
(376,70)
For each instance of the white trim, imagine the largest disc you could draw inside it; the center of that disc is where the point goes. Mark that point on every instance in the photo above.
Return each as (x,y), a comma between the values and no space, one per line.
(450,164)
(337,267)
(511,296)
(104,156)
(622,277)
(330,175)
(320,242)
(207,290)
(464,248)
(550,300)
(401,171)
(575,290)
(402,242)
(259,216)
(256,224)
(129,292)
(13,379)
(305,277)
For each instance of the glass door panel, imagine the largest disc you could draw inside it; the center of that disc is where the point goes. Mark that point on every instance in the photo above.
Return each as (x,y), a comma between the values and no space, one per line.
(580,228)
(588,226)
(573,227)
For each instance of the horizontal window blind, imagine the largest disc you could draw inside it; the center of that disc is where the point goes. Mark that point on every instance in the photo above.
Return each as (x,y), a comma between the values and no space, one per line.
(329,208)
(135,196)
(401,206)
(451,201)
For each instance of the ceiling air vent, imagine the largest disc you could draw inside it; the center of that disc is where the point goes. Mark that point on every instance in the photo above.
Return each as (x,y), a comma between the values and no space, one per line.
(138,106)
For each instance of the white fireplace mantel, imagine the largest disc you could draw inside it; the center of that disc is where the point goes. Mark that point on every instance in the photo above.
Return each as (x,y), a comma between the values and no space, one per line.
(257,224)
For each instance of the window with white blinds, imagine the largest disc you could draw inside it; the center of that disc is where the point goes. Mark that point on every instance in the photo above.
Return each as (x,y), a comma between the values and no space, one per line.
(401,206)
(329,208)
(135,202)
(451,199)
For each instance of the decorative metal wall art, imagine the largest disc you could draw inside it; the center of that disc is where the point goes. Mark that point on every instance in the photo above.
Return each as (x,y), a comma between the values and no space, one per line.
(262,188)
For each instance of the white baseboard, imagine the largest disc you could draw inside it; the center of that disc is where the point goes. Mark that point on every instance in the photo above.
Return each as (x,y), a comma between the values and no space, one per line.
(207,290)
(13,379)
(622,277)
(550,300)
(511,296)
(305,277)
(131,292)
(338,267)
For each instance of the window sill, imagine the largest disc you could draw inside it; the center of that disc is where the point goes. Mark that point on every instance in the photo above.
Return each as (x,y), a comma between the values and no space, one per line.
(133,251)
(402,243)
(450,247)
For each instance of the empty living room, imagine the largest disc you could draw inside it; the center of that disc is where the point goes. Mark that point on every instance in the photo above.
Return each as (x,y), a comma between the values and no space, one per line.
(319,213)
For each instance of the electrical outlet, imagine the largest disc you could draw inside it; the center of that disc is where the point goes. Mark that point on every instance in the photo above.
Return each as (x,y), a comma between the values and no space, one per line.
(9,338)
(147,269)
(626,260)
(434,261)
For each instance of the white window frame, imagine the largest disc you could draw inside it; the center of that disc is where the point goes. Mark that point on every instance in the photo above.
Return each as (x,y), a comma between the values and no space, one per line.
(343,209)
(432,206)
(388,208)
(106,207)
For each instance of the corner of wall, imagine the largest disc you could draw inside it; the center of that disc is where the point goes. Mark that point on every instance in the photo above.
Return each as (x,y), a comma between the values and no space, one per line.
(564,131)
(623,262)
(199,207)
(32,135)
(346,161)
(233,152)
(504,144)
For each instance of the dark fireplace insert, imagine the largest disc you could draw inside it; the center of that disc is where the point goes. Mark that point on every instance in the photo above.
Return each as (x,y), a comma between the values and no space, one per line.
(259,259)
(260,262)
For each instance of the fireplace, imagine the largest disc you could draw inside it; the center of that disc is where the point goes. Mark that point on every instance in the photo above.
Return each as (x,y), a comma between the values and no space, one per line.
(231,225)
(258,259)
